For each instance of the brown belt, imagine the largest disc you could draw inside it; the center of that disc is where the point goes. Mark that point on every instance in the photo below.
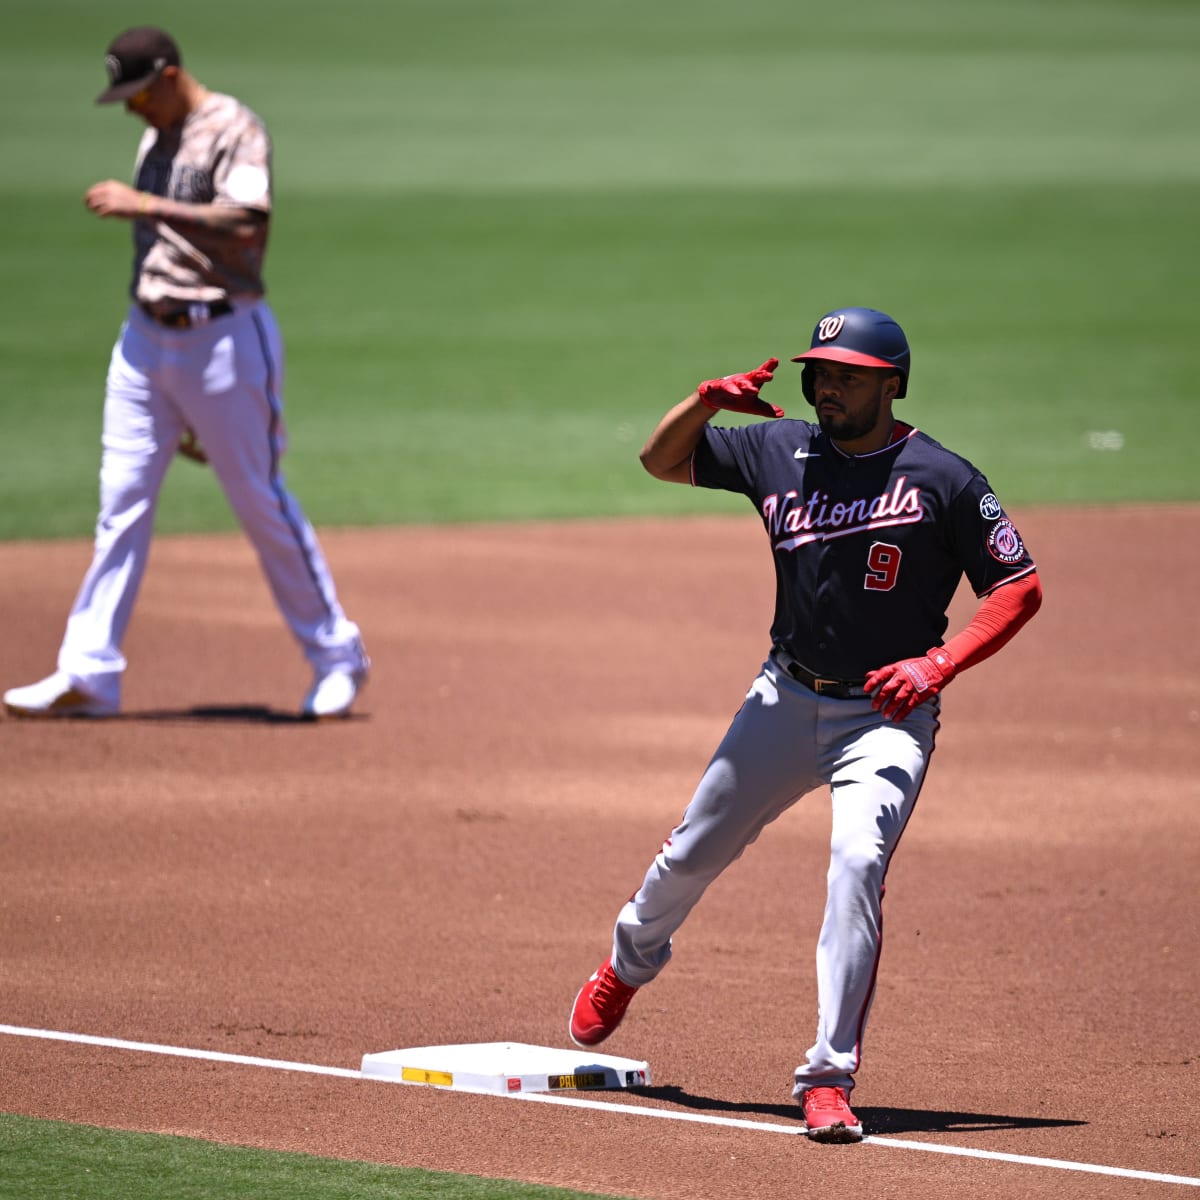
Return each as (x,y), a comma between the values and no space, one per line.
(838,689)
(187,315)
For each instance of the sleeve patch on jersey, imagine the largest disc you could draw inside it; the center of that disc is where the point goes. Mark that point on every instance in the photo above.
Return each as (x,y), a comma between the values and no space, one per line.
(247,183)
(1004,543)
(989,508)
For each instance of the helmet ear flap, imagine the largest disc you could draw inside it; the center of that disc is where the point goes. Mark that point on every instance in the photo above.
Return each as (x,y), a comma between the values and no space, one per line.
(807,384)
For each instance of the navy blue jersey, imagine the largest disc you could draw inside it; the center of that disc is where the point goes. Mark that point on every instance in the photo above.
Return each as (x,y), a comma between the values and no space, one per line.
(869,549)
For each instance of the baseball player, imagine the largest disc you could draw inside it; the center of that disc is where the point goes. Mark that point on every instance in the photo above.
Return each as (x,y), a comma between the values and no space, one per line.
(198,369)
(871,525)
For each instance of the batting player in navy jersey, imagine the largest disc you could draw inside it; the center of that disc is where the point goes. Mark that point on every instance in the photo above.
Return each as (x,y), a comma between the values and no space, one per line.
(872,524)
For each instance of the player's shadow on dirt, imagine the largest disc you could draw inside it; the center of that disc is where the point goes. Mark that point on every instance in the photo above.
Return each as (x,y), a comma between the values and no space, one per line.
(244,714)
(929,1120)
(875,1120)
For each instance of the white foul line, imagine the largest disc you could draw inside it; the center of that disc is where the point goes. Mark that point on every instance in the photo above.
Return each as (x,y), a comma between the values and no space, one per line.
(278,1064)
(86,1039)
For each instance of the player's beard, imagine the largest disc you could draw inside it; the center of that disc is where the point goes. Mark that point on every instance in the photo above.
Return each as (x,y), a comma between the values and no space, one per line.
(842,427)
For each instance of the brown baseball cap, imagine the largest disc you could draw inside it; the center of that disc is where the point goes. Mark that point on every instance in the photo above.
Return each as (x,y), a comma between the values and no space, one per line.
(134,60)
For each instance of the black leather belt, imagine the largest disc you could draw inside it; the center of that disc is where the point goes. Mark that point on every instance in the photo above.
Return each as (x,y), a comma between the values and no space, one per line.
(838,689)
(187,315)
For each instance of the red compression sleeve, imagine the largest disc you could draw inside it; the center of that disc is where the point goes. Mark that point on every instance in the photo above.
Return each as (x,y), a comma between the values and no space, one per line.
(1002,612)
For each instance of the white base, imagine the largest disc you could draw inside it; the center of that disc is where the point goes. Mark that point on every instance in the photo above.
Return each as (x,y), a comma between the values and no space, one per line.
(506,1067)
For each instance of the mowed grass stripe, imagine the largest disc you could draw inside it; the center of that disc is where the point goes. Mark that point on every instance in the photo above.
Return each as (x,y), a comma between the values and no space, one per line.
(509,235)
(503,357)
(536,94)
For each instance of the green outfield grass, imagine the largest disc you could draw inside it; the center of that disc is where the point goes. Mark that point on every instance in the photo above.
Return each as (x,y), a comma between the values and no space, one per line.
(510,234)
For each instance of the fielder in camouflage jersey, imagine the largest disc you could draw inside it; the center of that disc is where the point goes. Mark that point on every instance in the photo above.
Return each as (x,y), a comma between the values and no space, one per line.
(197,368)
(871,525)
(221,156)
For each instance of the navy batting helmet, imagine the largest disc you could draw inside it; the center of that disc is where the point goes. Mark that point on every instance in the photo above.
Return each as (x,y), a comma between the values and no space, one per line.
(863,336)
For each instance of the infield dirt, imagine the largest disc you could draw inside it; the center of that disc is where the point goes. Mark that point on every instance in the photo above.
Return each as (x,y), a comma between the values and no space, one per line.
(206,871)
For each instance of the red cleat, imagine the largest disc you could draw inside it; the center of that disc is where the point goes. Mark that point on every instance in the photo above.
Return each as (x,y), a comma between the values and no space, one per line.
(828,1117)
(599,1007)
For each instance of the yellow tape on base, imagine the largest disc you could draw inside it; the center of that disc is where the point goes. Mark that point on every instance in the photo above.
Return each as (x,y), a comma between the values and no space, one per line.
(420,1075)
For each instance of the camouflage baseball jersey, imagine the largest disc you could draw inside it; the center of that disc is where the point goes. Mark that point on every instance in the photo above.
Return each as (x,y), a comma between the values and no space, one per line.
(221,154)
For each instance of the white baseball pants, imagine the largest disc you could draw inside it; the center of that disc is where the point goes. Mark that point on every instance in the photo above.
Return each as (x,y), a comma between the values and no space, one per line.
(784,742)
(224,380)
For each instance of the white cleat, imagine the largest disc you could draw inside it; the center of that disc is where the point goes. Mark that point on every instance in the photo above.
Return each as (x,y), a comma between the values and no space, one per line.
(333,693)
(56,696)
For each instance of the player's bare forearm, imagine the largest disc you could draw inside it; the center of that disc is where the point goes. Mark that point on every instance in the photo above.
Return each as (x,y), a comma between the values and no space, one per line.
(240,222)
(667,454)
(115,199)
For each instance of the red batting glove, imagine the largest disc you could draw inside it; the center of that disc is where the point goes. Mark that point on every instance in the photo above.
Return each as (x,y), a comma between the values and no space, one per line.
(900,687)
(739,393)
